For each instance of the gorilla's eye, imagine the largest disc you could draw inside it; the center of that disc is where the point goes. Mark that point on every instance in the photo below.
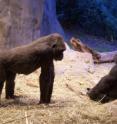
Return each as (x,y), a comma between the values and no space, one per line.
(54,45)
(88,89)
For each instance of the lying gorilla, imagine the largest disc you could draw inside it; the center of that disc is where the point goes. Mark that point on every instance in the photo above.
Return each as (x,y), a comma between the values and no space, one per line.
(28,58)
(106,89)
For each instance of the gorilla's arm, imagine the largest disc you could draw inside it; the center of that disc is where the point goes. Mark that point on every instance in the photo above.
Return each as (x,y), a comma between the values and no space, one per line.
(46,81)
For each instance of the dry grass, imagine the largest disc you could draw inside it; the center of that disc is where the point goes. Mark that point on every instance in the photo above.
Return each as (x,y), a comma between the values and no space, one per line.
(69,106)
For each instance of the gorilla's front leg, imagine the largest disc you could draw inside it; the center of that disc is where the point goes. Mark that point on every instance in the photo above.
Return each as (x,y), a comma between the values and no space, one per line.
(10,85)
(46,82)
(1,87)
(2,78)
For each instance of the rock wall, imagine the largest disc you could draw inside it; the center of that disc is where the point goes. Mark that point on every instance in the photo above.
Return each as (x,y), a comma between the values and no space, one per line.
(19,21)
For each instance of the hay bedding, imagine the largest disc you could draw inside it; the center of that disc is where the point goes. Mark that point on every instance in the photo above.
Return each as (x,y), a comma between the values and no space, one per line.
(70,105)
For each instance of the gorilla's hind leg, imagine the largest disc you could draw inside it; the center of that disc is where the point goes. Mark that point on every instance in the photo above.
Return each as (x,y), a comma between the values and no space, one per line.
(10,85)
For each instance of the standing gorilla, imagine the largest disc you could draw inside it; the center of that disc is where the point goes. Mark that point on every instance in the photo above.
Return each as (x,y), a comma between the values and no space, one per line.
(28,58)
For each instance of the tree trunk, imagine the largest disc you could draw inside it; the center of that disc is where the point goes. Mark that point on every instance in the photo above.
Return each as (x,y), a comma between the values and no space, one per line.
(98,57)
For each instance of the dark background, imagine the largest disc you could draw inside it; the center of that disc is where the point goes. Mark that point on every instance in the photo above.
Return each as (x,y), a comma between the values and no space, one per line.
(95,17)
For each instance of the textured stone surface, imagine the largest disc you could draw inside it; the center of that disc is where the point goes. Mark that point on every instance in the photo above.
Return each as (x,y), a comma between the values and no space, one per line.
(19,21)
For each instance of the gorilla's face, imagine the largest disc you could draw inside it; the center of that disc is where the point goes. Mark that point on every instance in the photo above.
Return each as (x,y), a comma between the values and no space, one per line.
(58,47)
(58,55)
(105,90)
(96,96)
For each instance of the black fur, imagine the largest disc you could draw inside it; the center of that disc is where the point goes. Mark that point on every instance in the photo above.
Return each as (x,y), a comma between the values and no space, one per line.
(28,58)
(106,89)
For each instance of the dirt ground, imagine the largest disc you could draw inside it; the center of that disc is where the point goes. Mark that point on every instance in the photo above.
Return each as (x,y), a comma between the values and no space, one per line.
(70,104)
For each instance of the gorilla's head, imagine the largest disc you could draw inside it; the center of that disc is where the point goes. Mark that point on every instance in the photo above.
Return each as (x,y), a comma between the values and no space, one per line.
(100,97)
(105,90)
(58,46)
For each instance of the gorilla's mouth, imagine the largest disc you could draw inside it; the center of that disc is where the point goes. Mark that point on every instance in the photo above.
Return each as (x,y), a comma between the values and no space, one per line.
(59,55)
(99,97)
